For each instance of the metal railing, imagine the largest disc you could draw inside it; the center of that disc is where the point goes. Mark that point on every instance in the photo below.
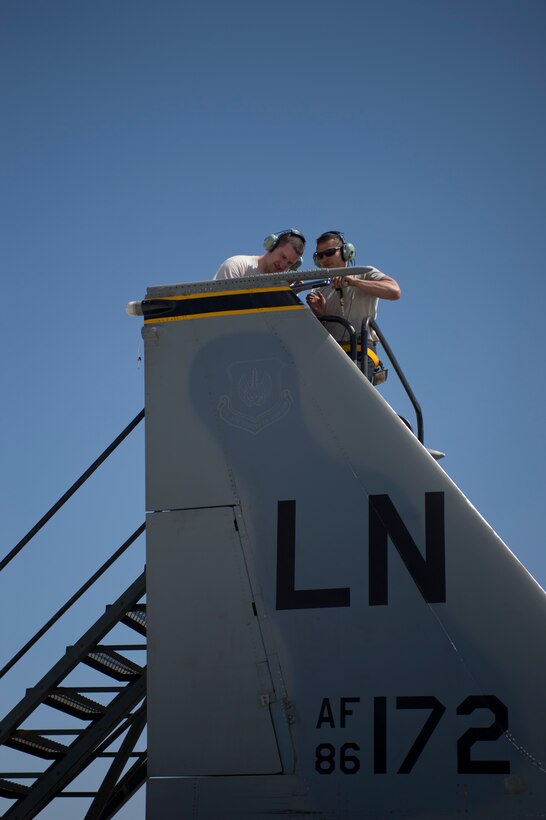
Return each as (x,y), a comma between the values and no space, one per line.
(368,323)
(47,517)
(70,492)
(71,601)
(399,372)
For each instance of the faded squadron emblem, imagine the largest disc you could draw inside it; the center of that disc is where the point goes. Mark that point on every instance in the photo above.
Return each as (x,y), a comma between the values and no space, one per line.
(257,397)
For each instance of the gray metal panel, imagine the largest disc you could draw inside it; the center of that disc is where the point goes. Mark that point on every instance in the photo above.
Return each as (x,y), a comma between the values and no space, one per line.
(268,798)
(227,798)
(208,686)
(287,416)
(181,456)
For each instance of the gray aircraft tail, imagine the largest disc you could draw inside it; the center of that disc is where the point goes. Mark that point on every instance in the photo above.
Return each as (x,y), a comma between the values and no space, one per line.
(334,630)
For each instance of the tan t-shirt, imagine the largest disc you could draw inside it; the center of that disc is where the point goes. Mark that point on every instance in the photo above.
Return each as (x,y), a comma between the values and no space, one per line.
(352,304)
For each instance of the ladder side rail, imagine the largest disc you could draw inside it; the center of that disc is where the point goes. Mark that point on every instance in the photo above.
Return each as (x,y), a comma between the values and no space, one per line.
(100,751)
(399,372)
(71,601)
(118,764)
(128,785)
(62,772)
(74,654)
(70,492)
(338,320)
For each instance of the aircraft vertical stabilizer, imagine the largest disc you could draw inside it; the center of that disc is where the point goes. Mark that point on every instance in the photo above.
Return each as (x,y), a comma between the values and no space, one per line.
(334,631)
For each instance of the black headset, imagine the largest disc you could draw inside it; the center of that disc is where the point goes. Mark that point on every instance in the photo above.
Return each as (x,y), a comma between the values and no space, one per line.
(348,251)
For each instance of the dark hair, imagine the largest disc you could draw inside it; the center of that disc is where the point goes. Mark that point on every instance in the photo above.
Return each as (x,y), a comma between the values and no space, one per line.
(327,235)
(293,238)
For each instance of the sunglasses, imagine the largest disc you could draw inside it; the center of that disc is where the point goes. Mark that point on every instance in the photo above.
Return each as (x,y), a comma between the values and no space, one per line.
(329,252)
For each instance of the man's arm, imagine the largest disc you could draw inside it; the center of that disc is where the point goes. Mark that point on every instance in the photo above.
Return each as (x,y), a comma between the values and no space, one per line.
(383,288)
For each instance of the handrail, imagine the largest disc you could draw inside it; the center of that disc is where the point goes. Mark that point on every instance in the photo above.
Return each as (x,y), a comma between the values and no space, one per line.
(348,326)
(364,336)
(369,322)
(77,595)
(70,492)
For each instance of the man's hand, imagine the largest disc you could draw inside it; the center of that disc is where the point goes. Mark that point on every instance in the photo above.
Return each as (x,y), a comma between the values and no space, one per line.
(317,302)
(339,282)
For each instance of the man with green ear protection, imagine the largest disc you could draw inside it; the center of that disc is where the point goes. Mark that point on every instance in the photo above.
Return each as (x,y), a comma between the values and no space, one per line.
(351,297)
(283,251)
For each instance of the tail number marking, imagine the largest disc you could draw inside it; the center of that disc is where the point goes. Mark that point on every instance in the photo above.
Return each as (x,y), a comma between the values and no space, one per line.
(328,759)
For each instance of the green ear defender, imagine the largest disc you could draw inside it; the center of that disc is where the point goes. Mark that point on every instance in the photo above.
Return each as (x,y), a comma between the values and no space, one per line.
(271,241)
(348,252)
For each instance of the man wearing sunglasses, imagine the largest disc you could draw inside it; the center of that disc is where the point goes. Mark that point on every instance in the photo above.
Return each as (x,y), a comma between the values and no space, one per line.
(283,251)
(351,297)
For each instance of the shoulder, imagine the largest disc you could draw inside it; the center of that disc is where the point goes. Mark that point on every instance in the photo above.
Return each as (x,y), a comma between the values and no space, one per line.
(237,266)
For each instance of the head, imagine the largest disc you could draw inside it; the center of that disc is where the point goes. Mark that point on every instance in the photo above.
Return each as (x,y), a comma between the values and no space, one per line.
(332,251)
(283,251)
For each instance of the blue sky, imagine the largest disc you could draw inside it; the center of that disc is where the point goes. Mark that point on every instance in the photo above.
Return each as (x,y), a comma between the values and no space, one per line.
(144,142)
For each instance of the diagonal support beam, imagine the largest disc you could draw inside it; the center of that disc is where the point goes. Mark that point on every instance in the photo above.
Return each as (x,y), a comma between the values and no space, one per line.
(74,655)
(80,754)
(95,811)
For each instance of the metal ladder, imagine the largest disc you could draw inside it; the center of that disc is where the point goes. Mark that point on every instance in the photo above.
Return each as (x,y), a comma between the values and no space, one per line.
(93,699)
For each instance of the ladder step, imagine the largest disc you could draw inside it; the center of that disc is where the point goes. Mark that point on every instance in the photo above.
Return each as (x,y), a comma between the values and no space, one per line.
(112,663)
(75,704)
(80,689)
(12,790)
(136,618)
(36,745)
